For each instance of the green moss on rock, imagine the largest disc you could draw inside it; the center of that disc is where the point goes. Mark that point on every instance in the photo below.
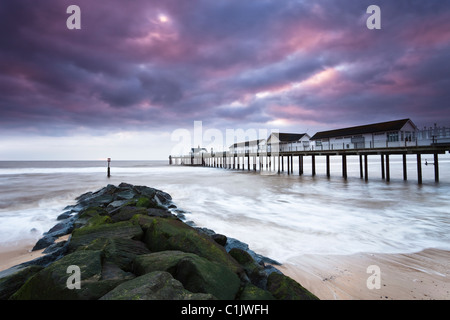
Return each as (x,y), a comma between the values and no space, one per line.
(51,282)
(157,285)
(10,283)
(119,251)
(252,292)
(85,235)
(169,234)
(284,288)
(197,274)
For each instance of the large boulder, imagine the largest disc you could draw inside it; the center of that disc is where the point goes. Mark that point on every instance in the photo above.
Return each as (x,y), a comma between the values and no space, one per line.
(171,234)
(254,270)
(197,274)
(51,283)
(252,292)
(284,288)
(119,230)
(119,251)
(157,285)
(12,279)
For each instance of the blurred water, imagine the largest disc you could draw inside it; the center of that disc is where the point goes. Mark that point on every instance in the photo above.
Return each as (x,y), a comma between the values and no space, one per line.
(279,216)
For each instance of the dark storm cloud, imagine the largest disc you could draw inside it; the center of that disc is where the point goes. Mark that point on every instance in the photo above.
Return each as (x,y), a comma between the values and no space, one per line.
(139,64)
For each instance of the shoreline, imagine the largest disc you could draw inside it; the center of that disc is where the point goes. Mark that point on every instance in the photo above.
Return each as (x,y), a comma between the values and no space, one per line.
(423,275)
(22,253)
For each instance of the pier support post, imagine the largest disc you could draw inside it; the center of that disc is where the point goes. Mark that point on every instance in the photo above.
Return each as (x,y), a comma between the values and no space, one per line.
(360,166)
(383,176)
(405,169)
(388,170)
(419,168)
(282,164)
(366,168)
(436,168)
(313,164)
(328,165)
(344,166)
(288,165)
(248,162)
(300,164)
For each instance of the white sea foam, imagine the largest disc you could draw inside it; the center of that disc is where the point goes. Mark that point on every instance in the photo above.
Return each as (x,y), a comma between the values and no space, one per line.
(278,216)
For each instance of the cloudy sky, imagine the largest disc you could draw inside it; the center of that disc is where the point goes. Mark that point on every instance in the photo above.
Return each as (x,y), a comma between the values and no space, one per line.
(140,72)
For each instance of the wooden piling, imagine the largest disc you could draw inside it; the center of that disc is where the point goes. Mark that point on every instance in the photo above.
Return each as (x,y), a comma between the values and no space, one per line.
(288,165)
(388,170)
(366,168)
(405,169)
(419,168)
(383,175)
(328,165)
(436,168)
(361,166)
(344,166)
(313,164)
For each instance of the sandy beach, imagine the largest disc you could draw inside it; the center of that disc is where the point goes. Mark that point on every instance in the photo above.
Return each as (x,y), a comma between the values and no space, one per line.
(20,253)
(423,275)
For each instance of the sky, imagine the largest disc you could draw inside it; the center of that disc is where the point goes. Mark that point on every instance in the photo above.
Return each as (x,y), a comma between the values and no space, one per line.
(140,75)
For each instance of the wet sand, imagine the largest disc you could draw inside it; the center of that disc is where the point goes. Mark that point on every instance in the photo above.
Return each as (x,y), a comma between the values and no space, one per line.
(20,253)
(423,275)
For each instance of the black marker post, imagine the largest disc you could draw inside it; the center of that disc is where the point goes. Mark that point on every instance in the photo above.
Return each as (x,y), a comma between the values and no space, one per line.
(109,170)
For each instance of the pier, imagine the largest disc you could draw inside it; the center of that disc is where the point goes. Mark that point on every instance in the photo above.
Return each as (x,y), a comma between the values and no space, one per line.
(383,140)
(283,161)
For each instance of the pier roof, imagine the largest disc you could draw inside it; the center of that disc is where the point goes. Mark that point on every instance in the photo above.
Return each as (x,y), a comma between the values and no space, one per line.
(369,128)
(286,137)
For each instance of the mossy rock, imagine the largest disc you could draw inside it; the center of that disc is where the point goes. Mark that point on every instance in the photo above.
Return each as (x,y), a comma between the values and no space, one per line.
(126,213)
(144,202)
(200,275)
(98,220)
(92,211)
(159,261)
(124,230)
(170,234)
(119,251)
(254,270)
(252,292)
(157,285)
(197,274)
(284,288)
(51,282)
(10,283)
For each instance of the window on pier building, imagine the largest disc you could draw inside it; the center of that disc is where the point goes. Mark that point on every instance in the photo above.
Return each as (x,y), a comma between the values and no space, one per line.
(392,136)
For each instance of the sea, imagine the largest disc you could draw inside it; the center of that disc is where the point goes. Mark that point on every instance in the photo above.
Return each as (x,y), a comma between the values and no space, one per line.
(280,216)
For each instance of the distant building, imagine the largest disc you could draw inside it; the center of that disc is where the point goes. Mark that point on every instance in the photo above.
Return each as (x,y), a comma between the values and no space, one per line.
(197,151)
(283,142)
(378,135)
(253,146)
